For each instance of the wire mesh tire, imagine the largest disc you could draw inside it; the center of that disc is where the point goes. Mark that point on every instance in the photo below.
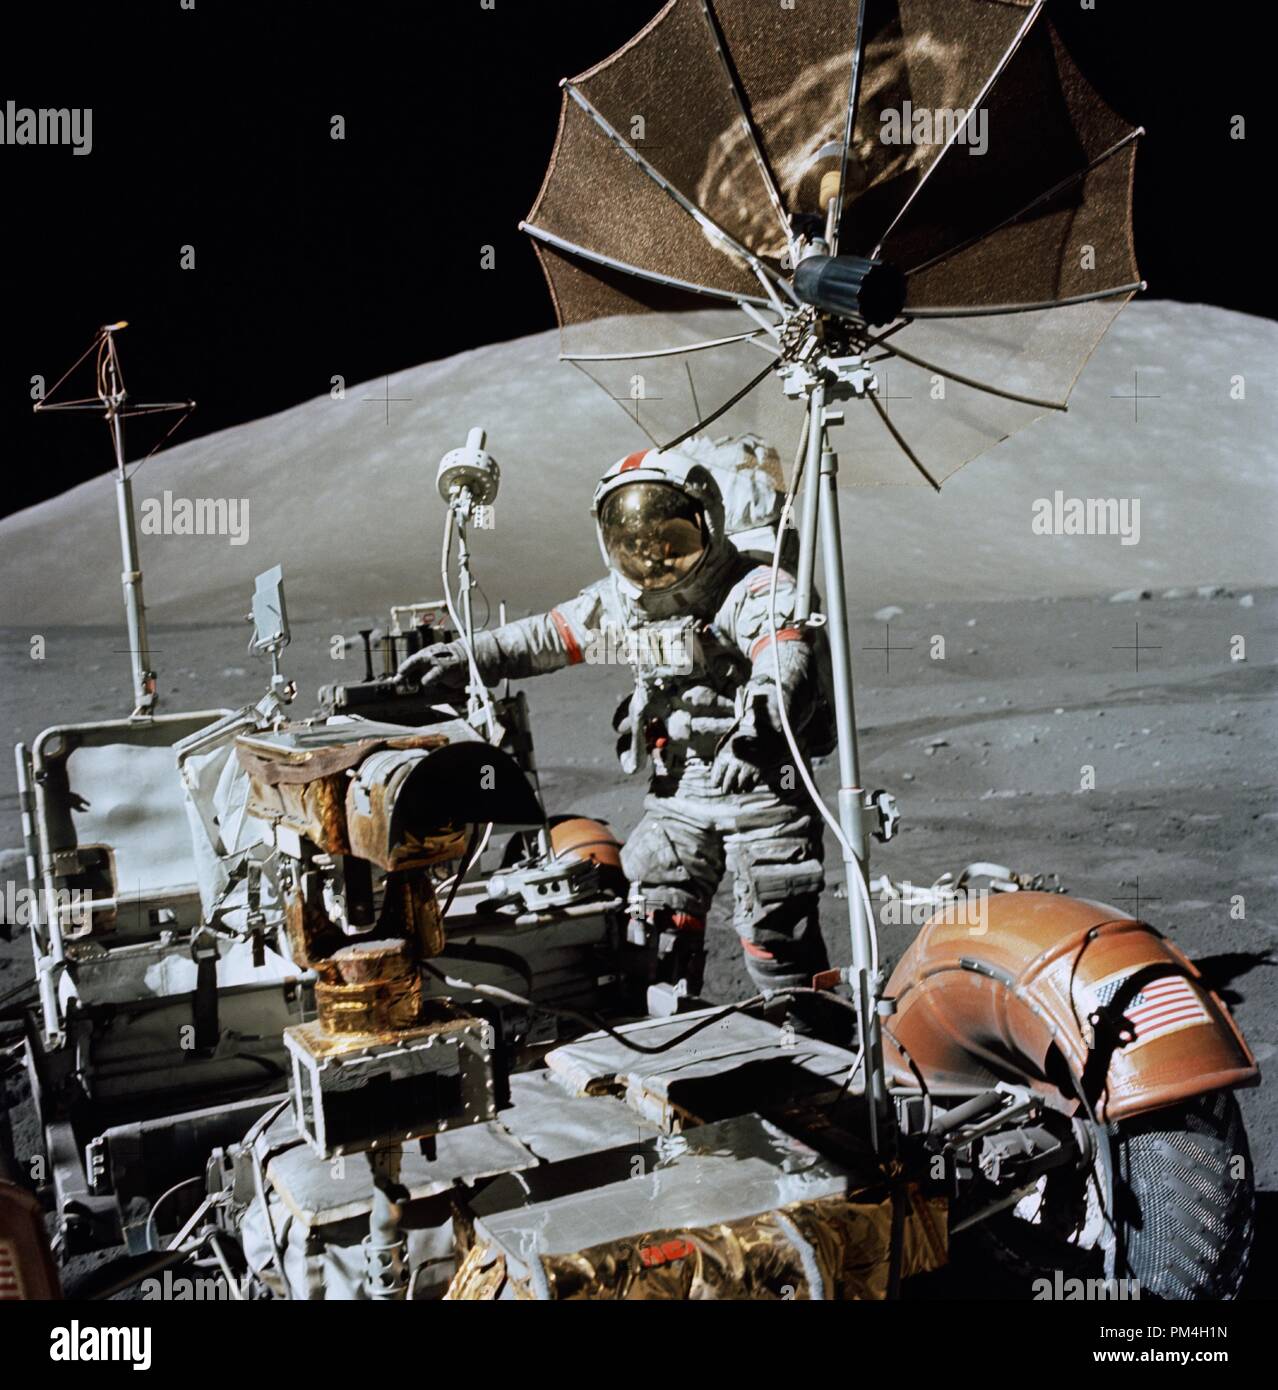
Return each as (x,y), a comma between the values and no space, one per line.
(1184,1210)
(1186,1200)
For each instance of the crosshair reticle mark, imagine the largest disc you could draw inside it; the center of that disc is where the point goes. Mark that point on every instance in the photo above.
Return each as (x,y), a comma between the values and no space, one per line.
(386,400)
(1135,396)
(1138,646)
(1137,898)
(887,648)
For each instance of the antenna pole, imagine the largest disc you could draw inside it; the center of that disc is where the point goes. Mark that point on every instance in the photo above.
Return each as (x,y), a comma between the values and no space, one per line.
(811,501)
(820,525)
(114,397)
(851,799)
(112,400)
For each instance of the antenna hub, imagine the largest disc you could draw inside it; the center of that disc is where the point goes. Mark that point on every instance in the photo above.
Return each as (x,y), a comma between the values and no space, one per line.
(851,287)
(471,468)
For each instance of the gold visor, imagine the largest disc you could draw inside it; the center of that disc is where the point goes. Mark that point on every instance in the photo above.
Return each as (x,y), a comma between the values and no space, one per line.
(654,534)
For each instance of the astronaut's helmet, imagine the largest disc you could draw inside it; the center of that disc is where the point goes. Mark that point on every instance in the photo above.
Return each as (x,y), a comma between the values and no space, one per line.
(658,515)
(654,534)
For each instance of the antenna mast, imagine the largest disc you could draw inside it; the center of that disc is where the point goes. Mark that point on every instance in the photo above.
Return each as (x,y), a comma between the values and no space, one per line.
(112,401)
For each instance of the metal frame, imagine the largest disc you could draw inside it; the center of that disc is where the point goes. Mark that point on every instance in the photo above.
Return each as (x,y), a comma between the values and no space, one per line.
(974,311)
(1059,187)
(323,1074)
(659,352)
(47,941)
(752,134)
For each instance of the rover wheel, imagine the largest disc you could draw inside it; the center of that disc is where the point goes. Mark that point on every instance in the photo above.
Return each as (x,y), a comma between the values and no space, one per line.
(1183,1218)
(1186,1200)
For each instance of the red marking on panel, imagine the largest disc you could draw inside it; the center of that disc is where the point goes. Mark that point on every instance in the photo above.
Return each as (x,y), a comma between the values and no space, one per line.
(665,1253)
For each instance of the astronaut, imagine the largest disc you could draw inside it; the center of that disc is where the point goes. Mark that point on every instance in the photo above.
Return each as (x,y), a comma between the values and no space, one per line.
(689,614)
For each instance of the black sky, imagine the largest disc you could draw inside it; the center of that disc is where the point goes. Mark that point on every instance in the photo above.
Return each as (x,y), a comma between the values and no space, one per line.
(316,257)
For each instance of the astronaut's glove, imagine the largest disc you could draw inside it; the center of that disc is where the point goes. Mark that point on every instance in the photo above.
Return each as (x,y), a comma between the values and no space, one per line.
(757,748)
(732,773)
(439,669)
(753,749)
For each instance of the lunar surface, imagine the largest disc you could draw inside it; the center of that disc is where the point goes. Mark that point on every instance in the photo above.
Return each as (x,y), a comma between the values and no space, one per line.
(1177,408)
(1015,691)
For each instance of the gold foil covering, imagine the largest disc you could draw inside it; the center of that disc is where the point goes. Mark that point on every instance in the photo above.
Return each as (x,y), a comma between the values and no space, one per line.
(376,1006)
(755,1258)
(380,990)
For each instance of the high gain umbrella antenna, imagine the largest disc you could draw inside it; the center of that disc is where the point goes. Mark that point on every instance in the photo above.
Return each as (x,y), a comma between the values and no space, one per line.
(911,216)
(112,402)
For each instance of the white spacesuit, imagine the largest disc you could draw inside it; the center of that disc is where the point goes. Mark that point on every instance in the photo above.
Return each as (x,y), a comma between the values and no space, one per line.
(688,613)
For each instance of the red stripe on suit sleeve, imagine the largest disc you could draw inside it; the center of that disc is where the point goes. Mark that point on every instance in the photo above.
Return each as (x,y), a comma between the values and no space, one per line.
(565,632)
(787,634)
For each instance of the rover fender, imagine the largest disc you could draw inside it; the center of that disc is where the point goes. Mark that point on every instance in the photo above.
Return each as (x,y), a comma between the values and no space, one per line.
(590,839)
(1068,996)
(27,1269)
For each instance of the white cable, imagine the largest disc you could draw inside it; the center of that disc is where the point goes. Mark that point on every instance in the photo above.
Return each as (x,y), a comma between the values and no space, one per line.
(800,763)
(476,680)
(152,1231)
(446,886)
(477,684)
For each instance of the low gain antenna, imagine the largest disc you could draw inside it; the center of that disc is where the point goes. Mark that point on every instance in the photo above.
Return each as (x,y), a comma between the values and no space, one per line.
(112,401)
(468,479)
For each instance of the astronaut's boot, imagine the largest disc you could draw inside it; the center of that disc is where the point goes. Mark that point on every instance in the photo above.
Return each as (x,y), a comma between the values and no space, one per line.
(669,948)
(786,954)
(777,966)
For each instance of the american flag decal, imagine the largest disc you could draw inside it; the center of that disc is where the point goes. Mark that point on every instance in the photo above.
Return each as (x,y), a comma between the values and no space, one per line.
(1161,1006)
(10,1282)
